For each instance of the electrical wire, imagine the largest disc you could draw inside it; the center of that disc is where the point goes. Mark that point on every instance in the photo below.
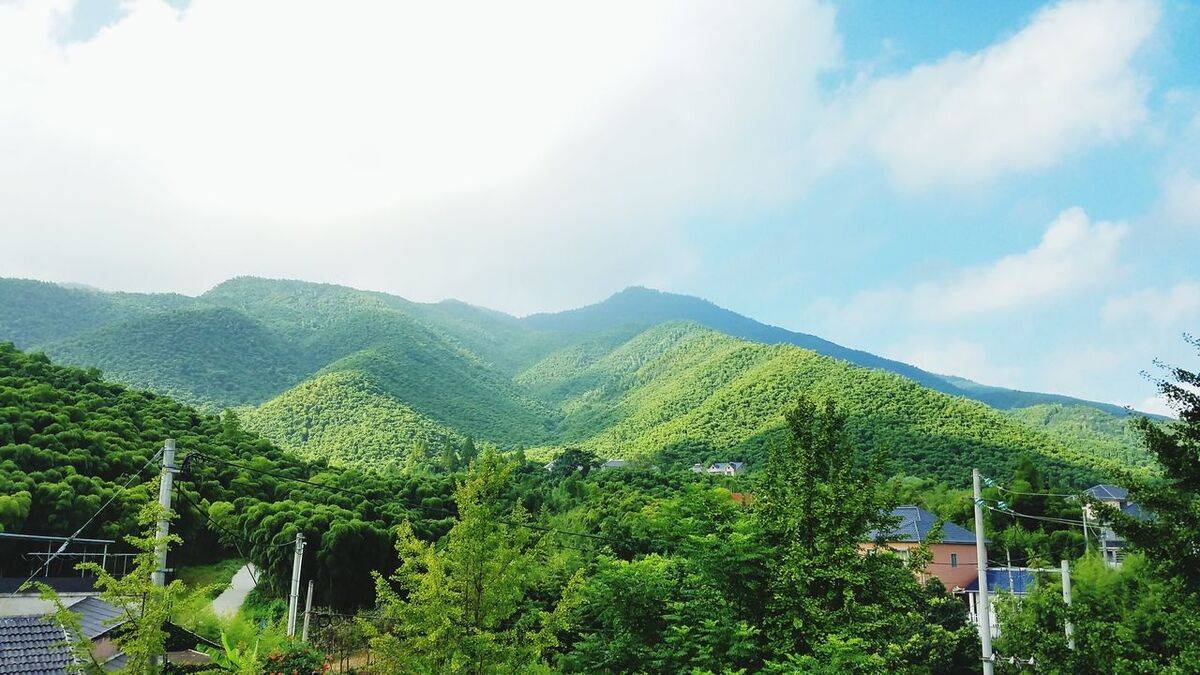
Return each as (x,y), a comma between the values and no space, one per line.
(232,537)
(78,532)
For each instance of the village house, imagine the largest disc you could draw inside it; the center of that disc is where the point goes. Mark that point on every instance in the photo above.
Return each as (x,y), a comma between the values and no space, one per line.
(1112,545)
(38,644)
(1014,580)
(954,554)
(726,468)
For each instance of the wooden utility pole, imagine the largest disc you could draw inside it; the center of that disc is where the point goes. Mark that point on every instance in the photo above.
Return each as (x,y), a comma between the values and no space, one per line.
(164,520)
(1068,628)
(982,607)
(294,598)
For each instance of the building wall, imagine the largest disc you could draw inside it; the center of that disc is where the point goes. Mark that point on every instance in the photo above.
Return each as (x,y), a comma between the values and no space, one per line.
(943,555)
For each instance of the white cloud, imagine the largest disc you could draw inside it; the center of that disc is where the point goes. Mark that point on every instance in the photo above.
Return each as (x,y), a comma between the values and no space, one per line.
(1181,199)
(1157,405)
(520,155)
(953,356)
(1064,82)
(516,154)
(1074,255)
(1161,307)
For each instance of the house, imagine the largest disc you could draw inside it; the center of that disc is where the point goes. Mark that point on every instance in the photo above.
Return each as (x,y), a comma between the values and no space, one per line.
(38,644)
(614,464)
(1112,545)
(697,468)
(954,555)
(726,468)
(1014,580)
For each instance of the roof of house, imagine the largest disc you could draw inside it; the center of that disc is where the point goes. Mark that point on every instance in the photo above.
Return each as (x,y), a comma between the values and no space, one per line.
(1001,579)
(97,617)
(1134,510)
(721,466)
(1109,492)
(32,645)
(614,463)
(915,525)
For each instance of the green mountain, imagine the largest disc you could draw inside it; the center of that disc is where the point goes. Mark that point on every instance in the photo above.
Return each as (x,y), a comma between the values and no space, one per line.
(643,307)
(211,357)
(34,313)
(360,376)
(1080,425)
(684,393)
(346,418)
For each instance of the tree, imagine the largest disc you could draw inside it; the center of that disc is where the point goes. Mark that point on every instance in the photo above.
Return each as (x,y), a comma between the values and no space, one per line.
(816,501)
(572,460)
(1170,533)
(461,606)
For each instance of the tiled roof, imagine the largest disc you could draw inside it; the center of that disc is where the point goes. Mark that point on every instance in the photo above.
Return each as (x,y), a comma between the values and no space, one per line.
(96,617)
(1134,511)
(1112,492)
(1017,581)
(915,525)
(32,645)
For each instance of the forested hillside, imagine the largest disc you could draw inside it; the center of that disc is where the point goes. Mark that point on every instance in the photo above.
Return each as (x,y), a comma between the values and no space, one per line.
(345,418)
(215,357)
(616,377)
(69,441)
(644,307)
(700,395)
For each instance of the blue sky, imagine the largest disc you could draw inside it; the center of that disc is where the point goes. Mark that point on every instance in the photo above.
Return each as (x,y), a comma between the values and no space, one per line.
(1004,191)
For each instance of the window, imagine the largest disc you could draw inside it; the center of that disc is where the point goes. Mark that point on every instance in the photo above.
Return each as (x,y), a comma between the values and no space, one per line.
(954,560)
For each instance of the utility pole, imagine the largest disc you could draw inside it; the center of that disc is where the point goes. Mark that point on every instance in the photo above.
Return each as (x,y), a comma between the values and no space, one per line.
(294,598)
(984,612)
(307,612)
(164,520)
(1066,584)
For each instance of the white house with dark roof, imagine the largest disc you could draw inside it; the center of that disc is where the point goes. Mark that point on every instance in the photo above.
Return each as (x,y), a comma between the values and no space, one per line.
(1112,545)
(727,468)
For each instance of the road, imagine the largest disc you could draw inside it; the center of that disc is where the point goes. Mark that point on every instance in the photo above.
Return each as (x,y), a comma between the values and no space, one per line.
(228,602)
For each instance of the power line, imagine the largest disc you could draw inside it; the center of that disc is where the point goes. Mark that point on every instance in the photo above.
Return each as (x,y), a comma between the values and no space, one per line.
(233,538)
(78,532)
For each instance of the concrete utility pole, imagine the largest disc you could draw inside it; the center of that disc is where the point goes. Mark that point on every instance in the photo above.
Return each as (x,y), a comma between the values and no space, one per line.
(983,610)
(164,500)
(1066,583)
(307,612)
(294,598)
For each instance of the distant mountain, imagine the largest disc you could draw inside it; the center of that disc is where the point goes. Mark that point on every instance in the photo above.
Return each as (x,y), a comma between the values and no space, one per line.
(206,356)
(681,392)
(34,313)
(365,377)
(643,307)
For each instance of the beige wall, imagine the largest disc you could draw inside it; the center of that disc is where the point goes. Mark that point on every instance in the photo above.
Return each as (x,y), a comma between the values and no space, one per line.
(943,555)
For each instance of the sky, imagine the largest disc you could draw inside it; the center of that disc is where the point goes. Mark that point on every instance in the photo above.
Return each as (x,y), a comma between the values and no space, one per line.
(1008,192)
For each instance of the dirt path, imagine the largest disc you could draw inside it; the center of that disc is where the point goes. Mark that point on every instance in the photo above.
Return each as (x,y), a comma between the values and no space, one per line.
(228,602)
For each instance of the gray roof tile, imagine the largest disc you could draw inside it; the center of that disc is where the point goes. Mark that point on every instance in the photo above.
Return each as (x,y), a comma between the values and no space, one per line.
(32,645)
(915,525)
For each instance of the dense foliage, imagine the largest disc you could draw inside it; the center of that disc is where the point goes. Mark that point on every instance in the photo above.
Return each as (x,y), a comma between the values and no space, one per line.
(1144,616)
(345,418)
(208,357)
(69,441)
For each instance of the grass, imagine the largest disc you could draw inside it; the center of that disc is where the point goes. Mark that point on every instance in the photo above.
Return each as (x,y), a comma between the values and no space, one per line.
(216,575)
